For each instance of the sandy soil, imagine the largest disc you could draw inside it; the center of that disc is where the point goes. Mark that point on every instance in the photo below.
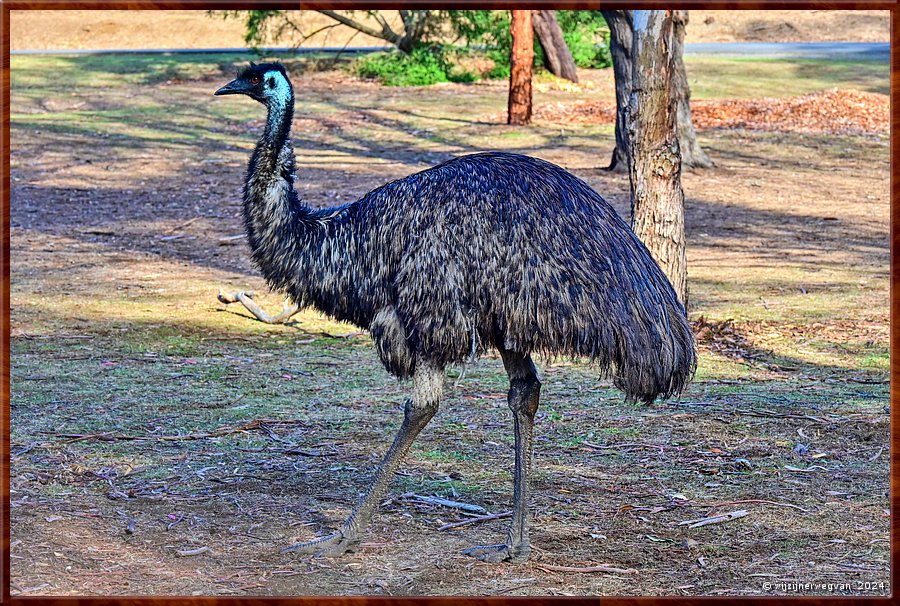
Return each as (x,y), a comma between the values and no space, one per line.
(196,29)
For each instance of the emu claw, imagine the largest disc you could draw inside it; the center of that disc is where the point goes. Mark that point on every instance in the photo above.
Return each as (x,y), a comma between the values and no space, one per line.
(329,546)
(499,553)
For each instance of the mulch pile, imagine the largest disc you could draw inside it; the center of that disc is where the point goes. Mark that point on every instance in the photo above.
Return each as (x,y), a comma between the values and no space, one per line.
(832,112)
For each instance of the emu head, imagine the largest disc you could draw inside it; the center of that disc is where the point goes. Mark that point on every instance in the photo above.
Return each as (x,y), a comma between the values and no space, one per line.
(267,83)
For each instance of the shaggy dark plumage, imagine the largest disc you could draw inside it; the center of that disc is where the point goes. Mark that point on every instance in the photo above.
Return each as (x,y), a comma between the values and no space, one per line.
(490,250)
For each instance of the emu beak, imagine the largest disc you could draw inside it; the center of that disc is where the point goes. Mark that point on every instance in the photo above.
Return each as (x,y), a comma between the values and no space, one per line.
(232,88)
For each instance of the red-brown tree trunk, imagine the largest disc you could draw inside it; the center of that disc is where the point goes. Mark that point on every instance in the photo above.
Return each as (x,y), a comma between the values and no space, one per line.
(520,62)
(657,199)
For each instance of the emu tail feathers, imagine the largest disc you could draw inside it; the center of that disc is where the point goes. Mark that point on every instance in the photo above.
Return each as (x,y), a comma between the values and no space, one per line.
(660,362)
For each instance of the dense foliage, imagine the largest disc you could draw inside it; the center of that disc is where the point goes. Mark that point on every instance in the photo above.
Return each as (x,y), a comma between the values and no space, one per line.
(478,45)
(423,66)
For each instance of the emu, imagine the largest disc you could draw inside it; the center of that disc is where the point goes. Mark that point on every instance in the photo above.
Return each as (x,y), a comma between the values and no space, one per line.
(485,251)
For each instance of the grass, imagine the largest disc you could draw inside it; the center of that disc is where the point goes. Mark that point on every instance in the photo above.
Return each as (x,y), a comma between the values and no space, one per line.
(120,334)
(753,77)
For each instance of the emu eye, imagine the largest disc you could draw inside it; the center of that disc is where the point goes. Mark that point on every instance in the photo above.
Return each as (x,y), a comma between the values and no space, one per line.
(254,80)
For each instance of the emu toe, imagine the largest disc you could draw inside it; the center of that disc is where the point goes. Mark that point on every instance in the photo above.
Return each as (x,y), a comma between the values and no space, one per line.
(500,553)
(329,546)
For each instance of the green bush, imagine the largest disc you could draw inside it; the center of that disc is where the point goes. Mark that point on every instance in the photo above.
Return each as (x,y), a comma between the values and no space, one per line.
(587,36)
(585,32)
(422,67)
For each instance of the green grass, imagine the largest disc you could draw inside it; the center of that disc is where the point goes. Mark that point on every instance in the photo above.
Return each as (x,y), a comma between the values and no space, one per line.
(725,77)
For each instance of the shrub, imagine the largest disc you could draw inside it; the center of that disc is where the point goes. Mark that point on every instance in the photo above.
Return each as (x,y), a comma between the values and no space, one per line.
(488,38)
(587,36)
(421,67)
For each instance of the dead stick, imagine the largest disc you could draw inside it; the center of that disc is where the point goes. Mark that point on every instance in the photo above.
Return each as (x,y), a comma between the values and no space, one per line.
(246,299)
(613,569)
(717,505)
(492,516)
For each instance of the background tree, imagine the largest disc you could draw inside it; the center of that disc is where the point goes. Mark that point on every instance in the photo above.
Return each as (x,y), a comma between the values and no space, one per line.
(692,155)
(657,199)
(557,56)
(521,59)
(621,42)
(436,46)
(409,29)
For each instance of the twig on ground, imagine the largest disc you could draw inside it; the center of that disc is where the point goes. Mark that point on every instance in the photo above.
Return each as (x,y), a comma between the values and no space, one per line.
(443,502)
(725,517)
(223,431)
(184,553)
(492,516)
(631,446)
(246,299)
(874,457)
(613,569)
(181,226)
(717,505)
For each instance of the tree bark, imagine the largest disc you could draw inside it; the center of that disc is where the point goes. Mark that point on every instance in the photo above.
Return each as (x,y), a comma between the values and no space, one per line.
(620,46)
(520,62)
(557,56)
(692,155)
(620,39)
(657,199)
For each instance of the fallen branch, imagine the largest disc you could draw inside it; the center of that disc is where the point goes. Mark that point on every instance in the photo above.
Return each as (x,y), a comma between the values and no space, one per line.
(246,299)
(492,516)
(409,496)
(630,446)
(224,431)
(717,505)
(612,569)
(184,553)
(725,517)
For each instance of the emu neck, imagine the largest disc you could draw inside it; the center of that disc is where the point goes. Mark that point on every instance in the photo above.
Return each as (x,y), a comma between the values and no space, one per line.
(273,214)
(278,126)
(288,240)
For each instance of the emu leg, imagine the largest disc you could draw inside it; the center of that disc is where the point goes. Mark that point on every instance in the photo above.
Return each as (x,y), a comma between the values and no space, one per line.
(523,399)
(419,409)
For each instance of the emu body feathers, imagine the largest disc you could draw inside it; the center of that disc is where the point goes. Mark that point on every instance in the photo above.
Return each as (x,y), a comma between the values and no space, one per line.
(486,250)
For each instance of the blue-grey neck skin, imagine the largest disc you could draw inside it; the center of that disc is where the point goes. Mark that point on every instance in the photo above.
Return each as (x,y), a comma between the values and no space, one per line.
(281,111)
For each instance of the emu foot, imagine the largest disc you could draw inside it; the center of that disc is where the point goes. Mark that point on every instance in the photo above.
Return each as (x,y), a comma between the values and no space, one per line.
(500,553)
(330,546)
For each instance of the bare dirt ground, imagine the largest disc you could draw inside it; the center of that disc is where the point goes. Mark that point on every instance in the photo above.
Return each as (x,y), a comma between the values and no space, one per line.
(193,29)
(165,444)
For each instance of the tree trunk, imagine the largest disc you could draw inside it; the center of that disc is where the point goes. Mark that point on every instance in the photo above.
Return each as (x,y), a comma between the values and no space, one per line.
(657,200)
(692,155)
(521,58)
(557,56)
(620,48)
